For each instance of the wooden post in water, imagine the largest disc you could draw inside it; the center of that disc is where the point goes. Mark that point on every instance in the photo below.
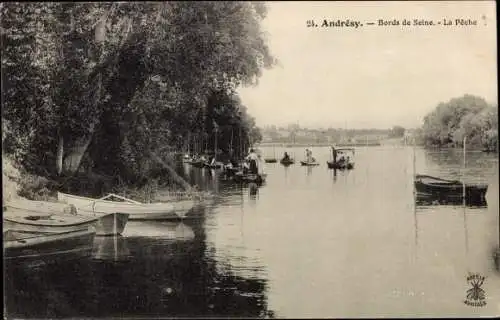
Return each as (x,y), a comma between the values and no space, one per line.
(463,175)
(464,195)
(414,174)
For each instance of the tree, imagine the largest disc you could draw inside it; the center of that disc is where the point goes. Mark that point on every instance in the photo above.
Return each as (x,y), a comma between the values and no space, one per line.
(468,116)
(397,132)
(109,83)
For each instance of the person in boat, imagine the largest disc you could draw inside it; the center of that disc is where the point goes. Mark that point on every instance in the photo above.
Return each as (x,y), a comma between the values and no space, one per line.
(342,159)
(228,164)
(308,155)
(310,158)
(286,157)
(334,154)
(253,160)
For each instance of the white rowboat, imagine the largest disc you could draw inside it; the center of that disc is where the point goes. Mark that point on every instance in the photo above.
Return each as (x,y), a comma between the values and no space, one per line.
(135,210)
(32,221)
(107,223)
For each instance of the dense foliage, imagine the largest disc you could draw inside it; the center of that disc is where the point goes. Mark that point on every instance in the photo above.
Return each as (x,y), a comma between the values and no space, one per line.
(468,116)
(111,85)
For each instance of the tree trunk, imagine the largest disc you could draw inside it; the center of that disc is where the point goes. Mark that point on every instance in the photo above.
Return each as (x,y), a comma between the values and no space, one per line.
(74,157)
(60,153)
(174,174)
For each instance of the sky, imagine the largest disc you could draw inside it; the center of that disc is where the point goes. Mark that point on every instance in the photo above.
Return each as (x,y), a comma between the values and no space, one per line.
(372,76)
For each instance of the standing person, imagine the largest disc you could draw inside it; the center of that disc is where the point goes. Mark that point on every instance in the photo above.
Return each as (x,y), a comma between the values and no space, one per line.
(307,156)
(334,154)
(253,159)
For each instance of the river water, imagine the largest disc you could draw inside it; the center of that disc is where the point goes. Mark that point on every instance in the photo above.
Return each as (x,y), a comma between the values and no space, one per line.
(308,243)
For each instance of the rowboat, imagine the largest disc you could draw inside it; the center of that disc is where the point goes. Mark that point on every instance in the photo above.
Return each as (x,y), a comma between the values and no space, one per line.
(428,186)
(135,210)
(287,162)
(305,163)
(217,165)
(187,159)
(198,163)
(425,200)
(20,244)
(248,177)
(32,221)
(107,223)
(270,160)
(340,165)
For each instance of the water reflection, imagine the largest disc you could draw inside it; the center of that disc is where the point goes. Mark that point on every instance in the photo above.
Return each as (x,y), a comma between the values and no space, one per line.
(425,201)
(164,276)
(156,229)
(112,248)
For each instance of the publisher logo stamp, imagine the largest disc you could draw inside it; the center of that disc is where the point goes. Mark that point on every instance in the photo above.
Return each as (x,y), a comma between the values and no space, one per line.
(476,296)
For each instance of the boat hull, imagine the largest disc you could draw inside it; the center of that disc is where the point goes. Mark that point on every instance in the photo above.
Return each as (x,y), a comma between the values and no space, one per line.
(198,164)
(257,178)
(309,164)
(270,160)
(332,165)
(436,200)
(214,166)
(21,245)
(30,221)
(451,190)
(108,224)
(287,163)
(136,211)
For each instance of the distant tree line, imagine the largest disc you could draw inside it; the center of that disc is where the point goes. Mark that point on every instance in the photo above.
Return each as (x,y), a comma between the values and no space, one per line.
(108,85)
(467,116)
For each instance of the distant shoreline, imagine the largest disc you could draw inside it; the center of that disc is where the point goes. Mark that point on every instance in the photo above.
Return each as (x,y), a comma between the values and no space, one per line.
(289,145)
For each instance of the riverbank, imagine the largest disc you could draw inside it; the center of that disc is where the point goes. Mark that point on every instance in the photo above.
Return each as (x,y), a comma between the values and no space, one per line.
(18,184)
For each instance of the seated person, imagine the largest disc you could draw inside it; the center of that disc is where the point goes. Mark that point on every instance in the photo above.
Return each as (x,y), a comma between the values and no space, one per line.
(228,165)
(286,157)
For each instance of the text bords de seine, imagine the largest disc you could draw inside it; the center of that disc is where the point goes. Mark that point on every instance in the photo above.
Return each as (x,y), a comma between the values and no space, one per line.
(393,22)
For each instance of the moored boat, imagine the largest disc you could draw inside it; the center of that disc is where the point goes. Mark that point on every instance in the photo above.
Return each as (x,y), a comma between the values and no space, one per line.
(135,210)
(216,165)
(107,223)
(310,164)
(270,160)
(249,177)
(19,244)
(187,158)
(340,166)
(425,200)
(429,186)
(199,163)
(25,220)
